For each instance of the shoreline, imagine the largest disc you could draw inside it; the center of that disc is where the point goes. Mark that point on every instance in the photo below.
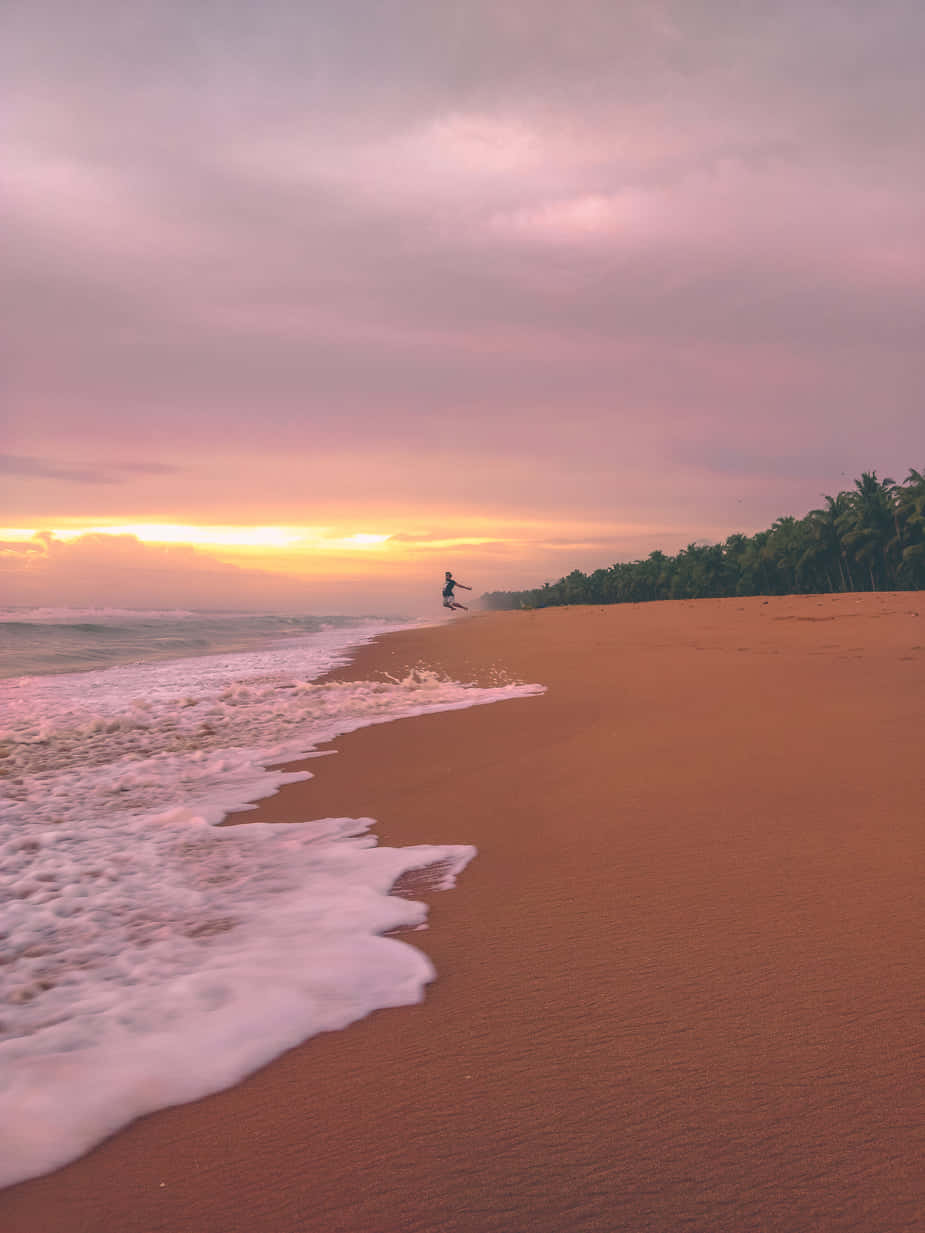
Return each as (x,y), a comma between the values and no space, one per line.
(678,986)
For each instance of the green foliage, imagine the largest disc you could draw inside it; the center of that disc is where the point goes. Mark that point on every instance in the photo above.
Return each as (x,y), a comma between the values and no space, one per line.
(869,538)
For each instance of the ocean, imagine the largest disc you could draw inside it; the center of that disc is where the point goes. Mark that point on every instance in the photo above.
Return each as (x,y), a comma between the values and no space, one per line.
(148,956)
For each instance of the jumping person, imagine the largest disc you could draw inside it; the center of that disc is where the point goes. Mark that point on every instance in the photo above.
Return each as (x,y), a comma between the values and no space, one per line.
(448,600)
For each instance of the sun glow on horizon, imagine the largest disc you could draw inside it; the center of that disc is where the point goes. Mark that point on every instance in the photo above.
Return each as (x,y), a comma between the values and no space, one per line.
(494,550)
(310,538)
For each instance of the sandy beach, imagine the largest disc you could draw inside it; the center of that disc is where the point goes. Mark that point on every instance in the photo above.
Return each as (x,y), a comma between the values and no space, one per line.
(680,988)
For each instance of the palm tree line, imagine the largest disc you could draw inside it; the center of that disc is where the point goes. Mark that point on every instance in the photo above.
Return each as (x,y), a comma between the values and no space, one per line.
(869,538)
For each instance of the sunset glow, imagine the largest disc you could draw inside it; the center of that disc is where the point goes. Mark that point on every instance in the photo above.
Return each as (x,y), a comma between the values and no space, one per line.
(312,539)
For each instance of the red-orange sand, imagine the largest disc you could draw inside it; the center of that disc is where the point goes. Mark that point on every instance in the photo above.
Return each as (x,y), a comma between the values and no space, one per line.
(680,988)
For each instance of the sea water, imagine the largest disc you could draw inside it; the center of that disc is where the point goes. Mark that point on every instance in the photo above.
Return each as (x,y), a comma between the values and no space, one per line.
(47,640)
(148,956)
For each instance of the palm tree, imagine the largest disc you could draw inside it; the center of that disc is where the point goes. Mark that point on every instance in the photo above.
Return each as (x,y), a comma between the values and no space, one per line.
(824,524)
(910,527)
(785,549)
(575,588)
(868,524)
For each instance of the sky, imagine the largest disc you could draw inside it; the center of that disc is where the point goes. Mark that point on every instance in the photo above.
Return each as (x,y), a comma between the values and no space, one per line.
(305,303)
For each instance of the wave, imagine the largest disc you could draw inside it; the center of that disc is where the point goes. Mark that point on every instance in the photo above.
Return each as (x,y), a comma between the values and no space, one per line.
(152,956)
(38,642)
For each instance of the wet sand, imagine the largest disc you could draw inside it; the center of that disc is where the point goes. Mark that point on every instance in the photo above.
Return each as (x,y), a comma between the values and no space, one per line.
(680,988)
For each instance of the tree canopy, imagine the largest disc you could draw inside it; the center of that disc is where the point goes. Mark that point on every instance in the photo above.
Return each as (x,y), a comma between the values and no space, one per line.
(869,538)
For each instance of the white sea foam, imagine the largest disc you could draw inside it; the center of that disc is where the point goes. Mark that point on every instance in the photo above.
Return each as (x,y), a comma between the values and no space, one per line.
(148,957)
